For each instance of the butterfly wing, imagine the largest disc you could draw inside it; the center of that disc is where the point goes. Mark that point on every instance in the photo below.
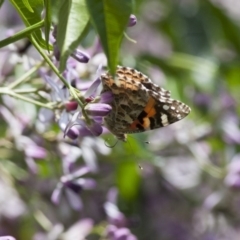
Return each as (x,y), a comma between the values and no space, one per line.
(139,104)
(129,101)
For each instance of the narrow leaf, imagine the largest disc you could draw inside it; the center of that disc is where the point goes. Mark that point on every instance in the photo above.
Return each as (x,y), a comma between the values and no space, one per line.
(27,5)
(48,20)
(73,21)
(110,18)
(31,18)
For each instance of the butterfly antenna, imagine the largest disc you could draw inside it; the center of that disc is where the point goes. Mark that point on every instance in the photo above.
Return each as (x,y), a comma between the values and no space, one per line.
(109,146)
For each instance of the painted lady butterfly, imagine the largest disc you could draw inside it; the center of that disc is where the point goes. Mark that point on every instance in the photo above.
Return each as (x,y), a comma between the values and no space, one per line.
(139,105)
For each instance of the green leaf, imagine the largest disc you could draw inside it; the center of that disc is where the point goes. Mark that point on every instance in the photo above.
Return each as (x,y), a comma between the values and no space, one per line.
(27,5)
(31,18)
(110,18)
(73,22)
(55,8)
(48,20)
(229,28)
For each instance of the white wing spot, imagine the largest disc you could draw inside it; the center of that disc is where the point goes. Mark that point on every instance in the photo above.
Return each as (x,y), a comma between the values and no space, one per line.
(173,108)
(164,120)
(165,107)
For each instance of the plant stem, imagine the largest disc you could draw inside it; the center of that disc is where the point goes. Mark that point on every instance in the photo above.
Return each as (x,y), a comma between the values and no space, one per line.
(7,91)
(22,34)
(25,76)
(22,91)
(65,82)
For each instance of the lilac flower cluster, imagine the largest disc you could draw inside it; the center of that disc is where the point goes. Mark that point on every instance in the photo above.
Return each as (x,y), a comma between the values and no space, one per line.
(72,120)
(73,183)
(79,123)
(117,227)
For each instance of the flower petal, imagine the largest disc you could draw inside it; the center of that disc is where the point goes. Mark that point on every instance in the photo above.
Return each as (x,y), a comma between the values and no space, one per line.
(80,56)
(64,124)
(98,109)
(85,183)
(106,97)
(93,88)
(57,193)
(96,129)
(74,200)
(7,238)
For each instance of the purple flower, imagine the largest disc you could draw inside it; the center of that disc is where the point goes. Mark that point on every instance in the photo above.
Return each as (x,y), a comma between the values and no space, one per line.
(232,179)
(230,126)
(80,229)
(31,149)
(132,20)
(56,51)
(114,233)
(202,99)
(76,122)
(71,106)
(106,97)
(7,238)
(80,56)
(72,184)
(117,228)
(98,109)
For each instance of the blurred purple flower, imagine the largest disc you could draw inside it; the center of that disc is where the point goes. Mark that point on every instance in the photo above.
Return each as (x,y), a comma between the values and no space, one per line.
(202,100)
(117,228)
(214,200)
(132,20)
(72,184)
(35,151)
(55,231)
(12,207)
(32,151)
(7,238)
(226,100)
(91,148)
(230,126)
(232,178)
(23,143)
(79,230)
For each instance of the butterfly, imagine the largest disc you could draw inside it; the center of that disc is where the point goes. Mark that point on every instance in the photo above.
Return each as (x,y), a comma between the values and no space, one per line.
(138,104)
